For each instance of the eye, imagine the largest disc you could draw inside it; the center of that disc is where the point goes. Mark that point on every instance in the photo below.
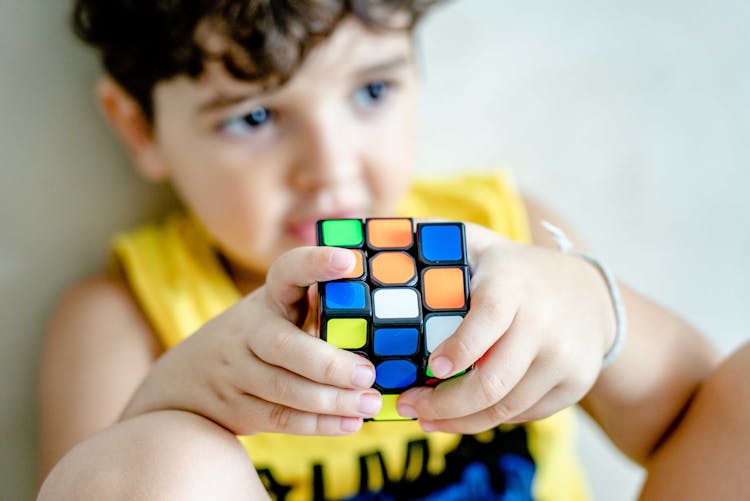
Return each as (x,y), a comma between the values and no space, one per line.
(248,123)
(372,93)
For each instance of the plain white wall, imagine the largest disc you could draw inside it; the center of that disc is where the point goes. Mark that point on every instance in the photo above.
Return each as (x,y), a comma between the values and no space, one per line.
(630,118)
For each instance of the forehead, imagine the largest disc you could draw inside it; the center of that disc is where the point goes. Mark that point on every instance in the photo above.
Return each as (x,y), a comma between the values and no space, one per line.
(353,45)
(350,49)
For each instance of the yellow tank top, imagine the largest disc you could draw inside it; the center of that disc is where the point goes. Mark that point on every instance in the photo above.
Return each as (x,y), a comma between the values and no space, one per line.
(181,284)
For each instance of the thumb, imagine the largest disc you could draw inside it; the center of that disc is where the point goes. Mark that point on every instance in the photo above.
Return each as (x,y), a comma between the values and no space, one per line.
(294,271)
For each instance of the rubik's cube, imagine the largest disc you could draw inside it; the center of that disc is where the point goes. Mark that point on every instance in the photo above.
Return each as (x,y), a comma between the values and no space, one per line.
(408,292)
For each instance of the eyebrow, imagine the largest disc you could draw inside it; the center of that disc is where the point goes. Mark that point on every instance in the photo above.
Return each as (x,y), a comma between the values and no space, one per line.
(384,67)
(224,100)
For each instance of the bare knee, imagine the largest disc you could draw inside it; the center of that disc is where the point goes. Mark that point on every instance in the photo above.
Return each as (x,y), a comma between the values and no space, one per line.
(728,388)
(162,455)
(707,456)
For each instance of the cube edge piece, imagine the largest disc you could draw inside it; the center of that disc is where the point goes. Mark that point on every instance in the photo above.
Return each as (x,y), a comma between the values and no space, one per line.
(464,260)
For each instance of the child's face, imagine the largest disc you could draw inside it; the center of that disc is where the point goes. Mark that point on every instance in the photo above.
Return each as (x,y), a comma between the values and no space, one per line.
(258,169)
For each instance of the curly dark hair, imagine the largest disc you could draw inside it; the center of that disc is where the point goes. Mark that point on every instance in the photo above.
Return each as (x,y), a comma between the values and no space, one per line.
(145,41)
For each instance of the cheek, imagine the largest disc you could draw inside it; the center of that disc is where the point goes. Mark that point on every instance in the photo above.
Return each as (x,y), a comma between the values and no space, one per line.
(245,217)
(211,187)
(239,203)
(393,160)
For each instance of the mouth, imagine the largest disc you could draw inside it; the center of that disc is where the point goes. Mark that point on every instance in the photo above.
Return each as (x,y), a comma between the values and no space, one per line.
(304,230)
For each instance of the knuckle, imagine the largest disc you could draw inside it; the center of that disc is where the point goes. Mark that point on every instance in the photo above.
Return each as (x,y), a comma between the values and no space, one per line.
(317,258)
(282,342)
(431,410)
(281,417)
(567,352)
(324,425)
(493,310)
(491,388)
(555,400)
(436,409)
(577,376)
(319,425)
(272,275)
(314,401)
(224,394)
(578,385)
(282,388)
(265,297)
(427,403)
(341,403)
(493,315)
(500,412)
(330,369)
(462,351)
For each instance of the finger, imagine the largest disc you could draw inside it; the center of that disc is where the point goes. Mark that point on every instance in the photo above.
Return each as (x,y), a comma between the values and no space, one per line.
(569,390)
(532,389)
(489,317)
(310,324)
(490,381)
(282,387)
(294,271)
(479,239)
(554,401)
(256,415)
(286,346)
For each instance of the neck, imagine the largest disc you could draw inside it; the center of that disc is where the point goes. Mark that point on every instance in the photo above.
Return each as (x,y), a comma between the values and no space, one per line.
(245,280)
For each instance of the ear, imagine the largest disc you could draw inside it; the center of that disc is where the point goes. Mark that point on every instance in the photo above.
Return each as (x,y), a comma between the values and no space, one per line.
(126,117)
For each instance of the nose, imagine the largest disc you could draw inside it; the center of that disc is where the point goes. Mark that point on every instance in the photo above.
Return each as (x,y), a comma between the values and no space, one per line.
(327,155)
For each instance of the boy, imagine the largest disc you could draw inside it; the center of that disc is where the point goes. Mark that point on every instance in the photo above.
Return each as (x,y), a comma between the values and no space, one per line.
(266,116)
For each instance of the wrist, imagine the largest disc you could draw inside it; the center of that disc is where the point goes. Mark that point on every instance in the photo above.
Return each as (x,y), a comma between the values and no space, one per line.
(149,396)
(615,309)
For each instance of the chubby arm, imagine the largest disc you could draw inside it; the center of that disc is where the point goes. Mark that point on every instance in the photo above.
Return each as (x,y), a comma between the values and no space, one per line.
(97,349)
(707,457)
(250,369)
(641,396)
(539,325)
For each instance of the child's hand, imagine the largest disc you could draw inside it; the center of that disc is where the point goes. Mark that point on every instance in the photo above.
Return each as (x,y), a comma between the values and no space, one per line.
(539,324)
(252,369)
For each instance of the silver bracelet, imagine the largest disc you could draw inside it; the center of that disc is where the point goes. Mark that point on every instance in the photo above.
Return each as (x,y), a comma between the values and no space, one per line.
(621,319)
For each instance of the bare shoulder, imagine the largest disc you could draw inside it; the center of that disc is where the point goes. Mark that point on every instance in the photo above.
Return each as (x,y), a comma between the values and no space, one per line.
(101,305)
(96,325)
(97,348)
(538,212)
(97,292)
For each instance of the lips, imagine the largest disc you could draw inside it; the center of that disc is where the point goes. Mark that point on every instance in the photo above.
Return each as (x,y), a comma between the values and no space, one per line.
(304,230)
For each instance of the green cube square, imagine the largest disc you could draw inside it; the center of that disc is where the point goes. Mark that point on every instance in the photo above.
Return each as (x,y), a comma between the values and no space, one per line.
(429,373)
(343,233)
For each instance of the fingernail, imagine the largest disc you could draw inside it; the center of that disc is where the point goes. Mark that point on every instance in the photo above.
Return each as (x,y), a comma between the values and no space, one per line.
(405,410)
(363,376)
(369,404)
(427,425)
(341,259)
(350,424)
(441,367)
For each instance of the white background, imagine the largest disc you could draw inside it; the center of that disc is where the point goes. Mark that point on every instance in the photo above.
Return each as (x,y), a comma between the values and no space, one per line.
(629,118)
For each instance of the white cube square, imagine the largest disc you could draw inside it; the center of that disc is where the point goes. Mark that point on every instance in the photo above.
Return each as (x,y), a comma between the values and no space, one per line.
(438,328)
(395,303)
